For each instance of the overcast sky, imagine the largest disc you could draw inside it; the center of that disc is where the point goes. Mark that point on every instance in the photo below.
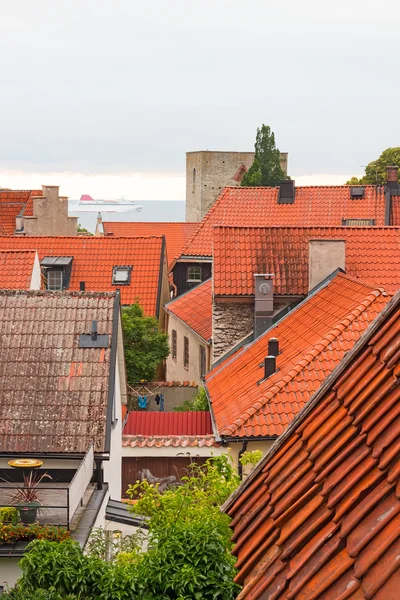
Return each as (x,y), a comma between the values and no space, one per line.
(125,88)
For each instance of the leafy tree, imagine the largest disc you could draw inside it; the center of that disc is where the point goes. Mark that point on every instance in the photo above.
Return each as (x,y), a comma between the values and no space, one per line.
(266,169)
(81,229)
(375,171)
(198,402)
(145,345)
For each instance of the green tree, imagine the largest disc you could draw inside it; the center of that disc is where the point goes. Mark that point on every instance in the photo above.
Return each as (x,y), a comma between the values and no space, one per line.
(266,169)
(198,402)
(375,171)
(145,345)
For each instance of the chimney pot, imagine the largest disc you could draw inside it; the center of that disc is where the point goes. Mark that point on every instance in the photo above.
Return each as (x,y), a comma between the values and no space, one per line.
(273,347)
(269,366)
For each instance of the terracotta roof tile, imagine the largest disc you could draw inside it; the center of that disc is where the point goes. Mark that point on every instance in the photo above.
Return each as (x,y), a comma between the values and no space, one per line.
(176,234)
(316,206)
(16,268)
(372,255)
(53,395)
(195,309)
(173,441)
(313,339)
(94,259)
(329,527)
(12,203)
(395,217)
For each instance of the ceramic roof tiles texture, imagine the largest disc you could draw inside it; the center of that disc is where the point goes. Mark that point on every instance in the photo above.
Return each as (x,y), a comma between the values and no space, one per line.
(12,203)
(313,339)
(195,309)
(395,218)
(317,206)
(176,234)
(372,255)
(16,268)
(319,517)
(170,441)
(94,259)
(53,394)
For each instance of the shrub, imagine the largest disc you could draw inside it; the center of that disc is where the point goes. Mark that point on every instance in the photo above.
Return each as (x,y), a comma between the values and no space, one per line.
(9,534)
(9,514)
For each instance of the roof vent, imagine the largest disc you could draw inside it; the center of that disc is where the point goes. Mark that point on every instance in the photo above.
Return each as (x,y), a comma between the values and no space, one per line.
(273,347)
(357,192)
(287,192)
(93,339)
(269,366)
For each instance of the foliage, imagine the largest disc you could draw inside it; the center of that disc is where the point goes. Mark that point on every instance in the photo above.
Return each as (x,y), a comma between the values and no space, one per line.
(145,345)
(81,229)
(39,594)
(375,171)
(266,169)
(251,457)
(9,534)
(9,514)
(109,545)
(29,491)
(198,403)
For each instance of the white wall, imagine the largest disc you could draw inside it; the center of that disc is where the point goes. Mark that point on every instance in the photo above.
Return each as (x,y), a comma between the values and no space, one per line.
(113,467)
(175,370)
(9,571)
(36,280)
(168,451)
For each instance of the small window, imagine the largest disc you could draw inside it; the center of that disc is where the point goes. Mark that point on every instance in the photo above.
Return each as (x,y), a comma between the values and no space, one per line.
(203,365)
(121,275)
(358,222)
(194,274)
(186,352)
(54,280)
(174,350)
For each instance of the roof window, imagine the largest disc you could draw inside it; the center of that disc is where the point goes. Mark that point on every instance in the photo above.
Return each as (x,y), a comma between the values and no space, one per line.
(121,275)
(57,271)
(358,222)
(357,192)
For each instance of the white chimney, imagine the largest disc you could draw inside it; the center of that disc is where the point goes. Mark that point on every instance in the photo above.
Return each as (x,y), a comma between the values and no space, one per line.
(325,257)
(263,302)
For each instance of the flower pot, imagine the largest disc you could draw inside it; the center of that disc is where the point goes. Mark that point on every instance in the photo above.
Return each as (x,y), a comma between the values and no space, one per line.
(28,511)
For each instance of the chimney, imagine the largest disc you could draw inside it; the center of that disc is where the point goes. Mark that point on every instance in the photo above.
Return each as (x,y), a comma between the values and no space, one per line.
(287,192)
(273,347)
(393,177)
(263,303)
(269,366)
(82,286)
(324,257)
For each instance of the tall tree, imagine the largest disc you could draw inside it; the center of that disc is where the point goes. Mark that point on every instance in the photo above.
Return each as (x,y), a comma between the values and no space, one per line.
(145,345)
(266,169)
(375,171)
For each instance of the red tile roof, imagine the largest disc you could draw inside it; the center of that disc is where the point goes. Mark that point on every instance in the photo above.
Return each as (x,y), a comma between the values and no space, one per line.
(94,259)
(313,338)
(12,203)
(319,517)
(195,309)
(163,429)
(372,254)
(395,218)
(176,234)
(53,394)
(16,268)
(316,206)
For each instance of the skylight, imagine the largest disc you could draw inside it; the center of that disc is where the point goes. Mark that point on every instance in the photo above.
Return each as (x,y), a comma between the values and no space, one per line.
(121,275)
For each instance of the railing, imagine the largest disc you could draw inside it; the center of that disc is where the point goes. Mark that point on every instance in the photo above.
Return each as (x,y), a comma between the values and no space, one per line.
(79,483)
(52,510)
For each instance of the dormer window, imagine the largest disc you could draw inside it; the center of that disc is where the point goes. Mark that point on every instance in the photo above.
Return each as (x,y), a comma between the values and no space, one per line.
(121,275)
(57,271)
(194,274)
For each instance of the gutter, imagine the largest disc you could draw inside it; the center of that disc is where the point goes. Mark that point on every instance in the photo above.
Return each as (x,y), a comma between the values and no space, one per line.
(111,378)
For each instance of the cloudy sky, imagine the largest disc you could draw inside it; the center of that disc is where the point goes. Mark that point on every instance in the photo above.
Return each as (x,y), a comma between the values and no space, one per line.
(106,96)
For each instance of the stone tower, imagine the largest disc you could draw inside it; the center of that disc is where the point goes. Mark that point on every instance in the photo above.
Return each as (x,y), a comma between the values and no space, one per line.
(207,173)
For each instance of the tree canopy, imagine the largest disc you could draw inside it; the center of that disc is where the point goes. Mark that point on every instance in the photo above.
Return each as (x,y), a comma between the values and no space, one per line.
(375,171)
(145,345)
(266,169)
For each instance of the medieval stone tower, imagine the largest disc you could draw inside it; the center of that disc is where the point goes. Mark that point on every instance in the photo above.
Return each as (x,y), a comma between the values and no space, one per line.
(207,173)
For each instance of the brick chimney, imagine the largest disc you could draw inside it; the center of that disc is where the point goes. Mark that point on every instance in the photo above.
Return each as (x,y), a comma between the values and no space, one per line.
(324,257)
(263,303)
(393,178)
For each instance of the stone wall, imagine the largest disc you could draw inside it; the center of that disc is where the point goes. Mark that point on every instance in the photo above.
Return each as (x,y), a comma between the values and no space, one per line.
(207,173)
(232,321)
(50,215)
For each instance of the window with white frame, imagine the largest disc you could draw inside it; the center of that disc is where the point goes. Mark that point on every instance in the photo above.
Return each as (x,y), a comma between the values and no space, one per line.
(194,274)
(54,280)
(121,275)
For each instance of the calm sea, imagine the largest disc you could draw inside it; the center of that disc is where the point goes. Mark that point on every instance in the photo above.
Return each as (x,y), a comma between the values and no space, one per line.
(153,210)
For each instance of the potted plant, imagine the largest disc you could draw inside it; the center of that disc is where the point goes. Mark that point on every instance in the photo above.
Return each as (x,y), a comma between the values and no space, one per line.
(27,499)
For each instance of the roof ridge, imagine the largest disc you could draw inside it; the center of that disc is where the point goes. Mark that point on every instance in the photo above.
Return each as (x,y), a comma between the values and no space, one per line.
(308,227)
(319,346)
